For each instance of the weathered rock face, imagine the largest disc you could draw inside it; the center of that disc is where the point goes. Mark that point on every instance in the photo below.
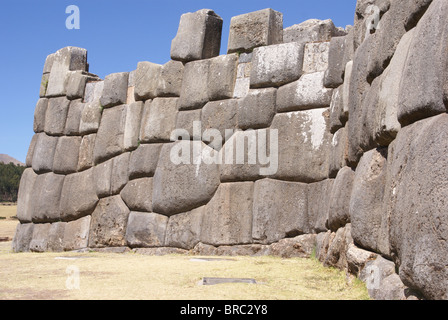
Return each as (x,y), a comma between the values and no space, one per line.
(312,139)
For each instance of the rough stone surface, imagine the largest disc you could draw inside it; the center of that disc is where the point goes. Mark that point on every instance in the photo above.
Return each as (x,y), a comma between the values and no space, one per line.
(303,145)
(312,30)
(74,117)
(228,216)
(315,57)
(339,152)
(416,206)
(143,161)
(255,29)
(184,230)
(76,234)
(334,75)
(43,154)
(66,155)
(367,197)
(186,183)
(39,240)
(198,36)
(158,120)
(422,75)
(280,210)
(339,214)
(115,89)
(46,197)
(134,113)
(276,65)
(170,80)
(318,205)
(78,196)
(257,109)
(146,80)
(22,237)
(56,116)
(85,160)
(301,246)
(194,93)
(137,194)
(39,115)
(222,77)
(306,93)
(25,205)
(55,241)
(146,230)
(109,221)
(185,122)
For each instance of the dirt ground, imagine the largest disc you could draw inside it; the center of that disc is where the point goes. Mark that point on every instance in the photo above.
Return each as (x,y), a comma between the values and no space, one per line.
(131,276)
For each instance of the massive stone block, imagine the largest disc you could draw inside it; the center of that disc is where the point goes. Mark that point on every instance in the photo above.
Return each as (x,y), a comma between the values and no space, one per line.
(111,176)
(315,57)
(146,80)
(193,94)
(78,196)
(109,141)
(198,36)
(55,236)
(46,198)
(184,230)
(334,75)
(43,154)
(339,211)
(25,205)
(76,234)
(185,121)
(39,115)
(63,61)
(74,116)
(137,194)
(423,90)
(158,120)
(222,76)
(23,237)
(280,210)
(416,205)
(39,239)
(85,159)
(276,65)
(318,205)
(255,29)
(170,79)
(91,114)
(109,222)
(228,216)
(303,145)
(366,200)
(56,116)
(146,229)
(115,89)
(66,155)
(306,93)
(339,152)
(143,161)
(131,135)
(312,30)
(257,109)
(186,177)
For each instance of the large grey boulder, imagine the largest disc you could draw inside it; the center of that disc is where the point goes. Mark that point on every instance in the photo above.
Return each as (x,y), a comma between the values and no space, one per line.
(315,57)
(137,194)
(257,109)
(146,229)
(338,153)
(185,122)
(319,205)
(56,116)
(30,152)
(46,197)
(91,114)
(25,205)
(39,115)
(306,93)
(66,155)
(55,236)
(194,93)
(78,196)
(366,211)
(23,237)
(415,205)
(228,216)
(39,240)
(158,120)
(222,76)
(339,207)
(184,178)
(304,143)
(276,65)
(334,75)
(43,154)
(184,229)
(109,140)
(255,29)
(198,36)
(312,30)
(76,234)
(170,79)
(423,90)
(85,159)
(62,62)
(131,134)
(146,80)
(74,116)
(108,224)
(111,176)
(115,89)
(143,161)
(280,210)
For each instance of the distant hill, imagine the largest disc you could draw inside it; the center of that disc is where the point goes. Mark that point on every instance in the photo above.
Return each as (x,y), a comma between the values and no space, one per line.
(4,158)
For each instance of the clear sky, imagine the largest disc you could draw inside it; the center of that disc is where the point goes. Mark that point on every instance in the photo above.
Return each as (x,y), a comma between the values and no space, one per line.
(117,35)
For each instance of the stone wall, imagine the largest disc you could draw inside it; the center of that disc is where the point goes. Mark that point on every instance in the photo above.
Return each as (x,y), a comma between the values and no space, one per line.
(355,132)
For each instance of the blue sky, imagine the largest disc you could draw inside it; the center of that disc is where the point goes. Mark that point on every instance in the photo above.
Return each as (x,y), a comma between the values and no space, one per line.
(117,35)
